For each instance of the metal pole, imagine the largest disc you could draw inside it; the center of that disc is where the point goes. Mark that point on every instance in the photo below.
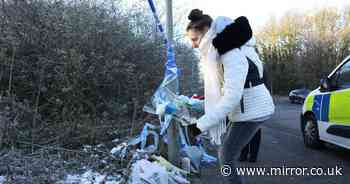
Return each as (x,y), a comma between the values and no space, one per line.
(172,136)
(169,20)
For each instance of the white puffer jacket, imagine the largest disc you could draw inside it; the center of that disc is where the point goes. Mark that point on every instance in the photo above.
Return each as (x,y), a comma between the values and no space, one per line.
(258,102)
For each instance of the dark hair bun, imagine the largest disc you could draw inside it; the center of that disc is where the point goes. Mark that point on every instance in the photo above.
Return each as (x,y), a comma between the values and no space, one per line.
(195,15)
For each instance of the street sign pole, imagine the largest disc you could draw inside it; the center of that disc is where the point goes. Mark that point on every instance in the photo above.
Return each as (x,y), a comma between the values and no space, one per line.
(171,132)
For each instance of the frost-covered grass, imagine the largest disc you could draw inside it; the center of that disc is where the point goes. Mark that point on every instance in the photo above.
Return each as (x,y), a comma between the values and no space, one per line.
(90,177)
(92,164)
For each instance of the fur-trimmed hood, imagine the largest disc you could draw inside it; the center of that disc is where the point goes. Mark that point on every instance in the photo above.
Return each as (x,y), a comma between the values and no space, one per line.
(233,35)
(226,34)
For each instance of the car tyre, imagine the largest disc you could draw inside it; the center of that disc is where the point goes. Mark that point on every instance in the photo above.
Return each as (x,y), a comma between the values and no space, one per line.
(310,133)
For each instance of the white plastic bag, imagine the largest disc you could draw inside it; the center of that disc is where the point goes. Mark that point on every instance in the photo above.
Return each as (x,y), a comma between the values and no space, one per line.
(146,172)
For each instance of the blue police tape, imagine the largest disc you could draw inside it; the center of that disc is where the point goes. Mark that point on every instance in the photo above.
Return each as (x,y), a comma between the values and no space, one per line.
(206,158)
(170,83)
(154,11)
(147,130)
(165,95)
(171,68)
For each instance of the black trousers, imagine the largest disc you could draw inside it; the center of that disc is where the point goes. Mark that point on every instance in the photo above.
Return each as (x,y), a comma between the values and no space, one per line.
(252,148)
(237,136)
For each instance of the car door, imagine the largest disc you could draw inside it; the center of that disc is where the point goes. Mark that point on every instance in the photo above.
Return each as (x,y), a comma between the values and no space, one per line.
(339,111)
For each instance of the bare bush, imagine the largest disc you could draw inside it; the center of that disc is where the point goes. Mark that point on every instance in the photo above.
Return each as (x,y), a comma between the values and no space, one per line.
(83,69)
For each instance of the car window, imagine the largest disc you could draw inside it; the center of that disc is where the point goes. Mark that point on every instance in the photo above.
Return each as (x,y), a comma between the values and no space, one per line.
(343,81)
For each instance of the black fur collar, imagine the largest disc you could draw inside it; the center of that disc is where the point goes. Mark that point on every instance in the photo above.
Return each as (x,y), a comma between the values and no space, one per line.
(233,36)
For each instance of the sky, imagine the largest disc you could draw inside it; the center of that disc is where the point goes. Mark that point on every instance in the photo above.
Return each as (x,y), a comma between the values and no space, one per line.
(259,11)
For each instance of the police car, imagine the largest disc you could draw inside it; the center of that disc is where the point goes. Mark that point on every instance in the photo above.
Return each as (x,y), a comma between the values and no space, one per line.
(326,110)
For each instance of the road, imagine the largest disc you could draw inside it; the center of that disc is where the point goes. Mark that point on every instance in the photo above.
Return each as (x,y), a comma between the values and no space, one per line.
(282,146)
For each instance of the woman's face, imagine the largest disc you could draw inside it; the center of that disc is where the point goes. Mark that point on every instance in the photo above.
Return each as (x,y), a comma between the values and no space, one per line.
(195,37)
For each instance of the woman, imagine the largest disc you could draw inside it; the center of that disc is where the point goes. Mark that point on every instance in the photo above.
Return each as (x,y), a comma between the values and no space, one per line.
(233,88)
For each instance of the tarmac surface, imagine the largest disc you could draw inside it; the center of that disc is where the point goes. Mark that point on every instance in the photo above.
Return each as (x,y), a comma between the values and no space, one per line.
(282,151)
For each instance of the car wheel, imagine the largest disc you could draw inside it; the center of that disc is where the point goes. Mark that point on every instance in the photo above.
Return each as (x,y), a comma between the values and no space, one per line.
(311,134)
